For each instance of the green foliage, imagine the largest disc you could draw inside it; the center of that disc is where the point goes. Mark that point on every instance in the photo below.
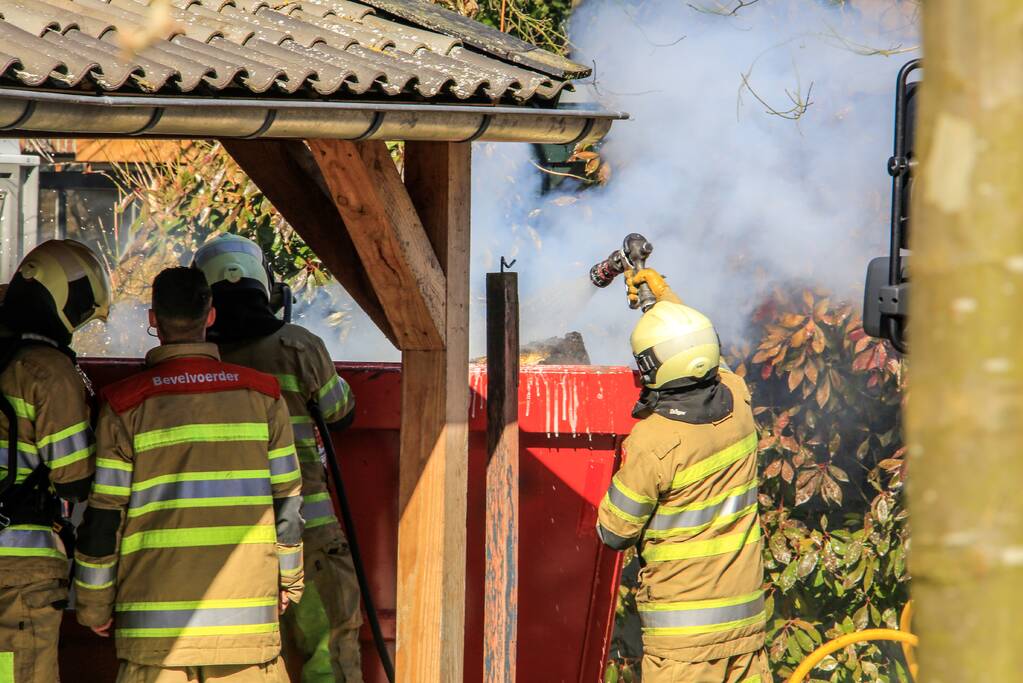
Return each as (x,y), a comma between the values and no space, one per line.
(202,192)
(827,405)
(540,22)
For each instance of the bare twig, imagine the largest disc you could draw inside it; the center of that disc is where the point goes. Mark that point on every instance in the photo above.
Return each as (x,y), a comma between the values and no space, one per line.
(800,102)
(866,50)
(723,10)
(559,173)
(595,84)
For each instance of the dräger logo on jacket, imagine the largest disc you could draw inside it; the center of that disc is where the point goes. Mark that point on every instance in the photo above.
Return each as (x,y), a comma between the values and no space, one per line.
(189,378)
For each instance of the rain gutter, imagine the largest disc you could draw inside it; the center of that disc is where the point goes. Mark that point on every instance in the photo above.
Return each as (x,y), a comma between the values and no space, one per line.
(47,113)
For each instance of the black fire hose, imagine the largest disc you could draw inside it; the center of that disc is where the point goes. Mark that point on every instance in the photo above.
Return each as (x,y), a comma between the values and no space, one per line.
(8,411)
(12,445)
(353,544)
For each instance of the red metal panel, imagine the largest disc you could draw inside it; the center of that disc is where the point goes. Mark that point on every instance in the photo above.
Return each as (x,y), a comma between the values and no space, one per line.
(572,420)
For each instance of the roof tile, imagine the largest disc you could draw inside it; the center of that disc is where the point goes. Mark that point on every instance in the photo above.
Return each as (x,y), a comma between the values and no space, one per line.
(409,49)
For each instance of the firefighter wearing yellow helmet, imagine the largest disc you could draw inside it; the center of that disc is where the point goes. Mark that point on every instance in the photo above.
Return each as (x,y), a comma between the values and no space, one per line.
(47,450)
(322,631)
(686,495)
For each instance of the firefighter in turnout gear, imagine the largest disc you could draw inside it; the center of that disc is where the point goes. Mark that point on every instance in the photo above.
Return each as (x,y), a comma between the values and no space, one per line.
(58,288)
(686,495)
(192,543)
(323,632)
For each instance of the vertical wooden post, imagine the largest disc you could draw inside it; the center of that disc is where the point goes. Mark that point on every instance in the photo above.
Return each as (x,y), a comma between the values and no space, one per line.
(502,582)
(434,435)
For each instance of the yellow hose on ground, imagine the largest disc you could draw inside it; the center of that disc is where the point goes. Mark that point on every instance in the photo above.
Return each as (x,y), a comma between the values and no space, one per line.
(838,643)
(905,622)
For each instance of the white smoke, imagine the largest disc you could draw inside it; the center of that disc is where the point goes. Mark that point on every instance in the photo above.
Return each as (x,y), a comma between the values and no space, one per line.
(734,199)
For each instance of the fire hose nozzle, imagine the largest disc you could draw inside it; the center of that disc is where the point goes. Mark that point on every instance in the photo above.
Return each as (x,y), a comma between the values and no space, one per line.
(604,273)
(633,254)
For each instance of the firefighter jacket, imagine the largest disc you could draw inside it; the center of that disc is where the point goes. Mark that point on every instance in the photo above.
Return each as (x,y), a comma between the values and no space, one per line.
(300,362)
(49,398)
(687,494)
(193,524)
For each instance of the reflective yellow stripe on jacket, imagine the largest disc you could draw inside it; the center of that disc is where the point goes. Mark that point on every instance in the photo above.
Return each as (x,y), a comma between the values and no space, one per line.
(717,462)
(29,540)
(178,619)
(697,617)
(200,432)
(712,513)
(197,537)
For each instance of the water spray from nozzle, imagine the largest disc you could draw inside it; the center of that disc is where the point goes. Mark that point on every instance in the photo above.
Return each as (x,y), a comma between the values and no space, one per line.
(633,255)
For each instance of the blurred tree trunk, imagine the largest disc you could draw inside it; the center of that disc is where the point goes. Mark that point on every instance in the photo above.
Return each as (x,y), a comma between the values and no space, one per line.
(965,402)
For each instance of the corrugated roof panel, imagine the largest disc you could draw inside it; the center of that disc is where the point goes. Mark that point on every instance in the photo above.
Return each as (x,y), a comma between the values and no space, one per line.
(32,64)
(190,71)
(408,39)
(364,75)
(224,67)
(340,49)
(22,15)
(259,74)
(342,8)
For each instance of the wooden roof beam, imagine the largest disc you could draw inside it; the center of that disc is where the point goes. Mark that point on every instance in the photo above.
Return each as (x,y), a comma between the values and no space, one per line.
(288,175)
(389,237)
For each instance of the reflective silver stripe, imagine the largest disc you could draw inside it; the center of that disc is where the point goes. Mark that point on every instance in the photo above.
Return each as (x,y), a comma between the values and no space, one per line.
(289,562)
(66,446)
(221,247)
(303,431)
(283,465)
(626,504)
(692,518)
(26,461)
(107,476)
(13,537)
(337,396)
(705,616)
(672,347)
(211,488)
(190,618)
(314,509)
(95,576)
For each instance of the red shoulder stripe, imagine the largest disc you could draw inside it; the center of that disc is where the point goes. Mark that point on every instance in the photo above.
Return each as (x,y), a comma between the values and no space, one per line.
(188,376)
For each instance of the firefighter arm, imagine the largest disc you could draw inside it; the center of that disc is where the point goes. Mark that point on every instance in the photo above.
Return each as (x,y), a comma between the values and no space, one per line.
(631,499)
(64,436)
(654,280)
(333,395)
(99,536)
(286,484)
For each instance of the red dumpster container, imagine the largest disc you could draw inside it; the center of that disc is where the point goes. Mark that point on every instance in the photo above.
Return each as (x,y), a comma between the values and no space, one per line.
(572,420)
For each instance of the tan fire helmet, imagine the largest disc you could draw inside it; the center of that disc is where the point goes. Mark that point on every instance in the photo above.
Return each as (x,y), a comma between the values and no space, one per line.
(235,259)
(674,342)
(74,277)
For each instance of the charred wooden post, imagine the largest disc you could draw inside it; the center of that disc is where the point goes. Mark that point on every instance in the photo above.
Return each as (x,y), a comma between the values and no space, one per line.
(501,601)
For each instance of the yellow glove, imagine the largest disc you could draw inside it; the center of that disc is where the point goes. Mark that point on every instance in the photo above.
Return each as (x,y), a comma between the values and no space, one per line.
(650,277)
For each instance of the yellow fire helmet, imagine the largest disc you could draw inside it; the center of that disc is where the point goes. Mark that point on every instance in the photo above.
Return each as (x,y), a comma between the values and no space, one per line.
(234,259)
(74,277)
(674,342)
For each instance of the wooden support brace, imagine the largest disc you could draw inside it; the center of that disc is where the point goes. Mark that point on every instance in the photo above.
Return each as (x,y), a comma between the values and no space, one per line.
(287,174)
(389,237)
(434,435)
(501,602)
